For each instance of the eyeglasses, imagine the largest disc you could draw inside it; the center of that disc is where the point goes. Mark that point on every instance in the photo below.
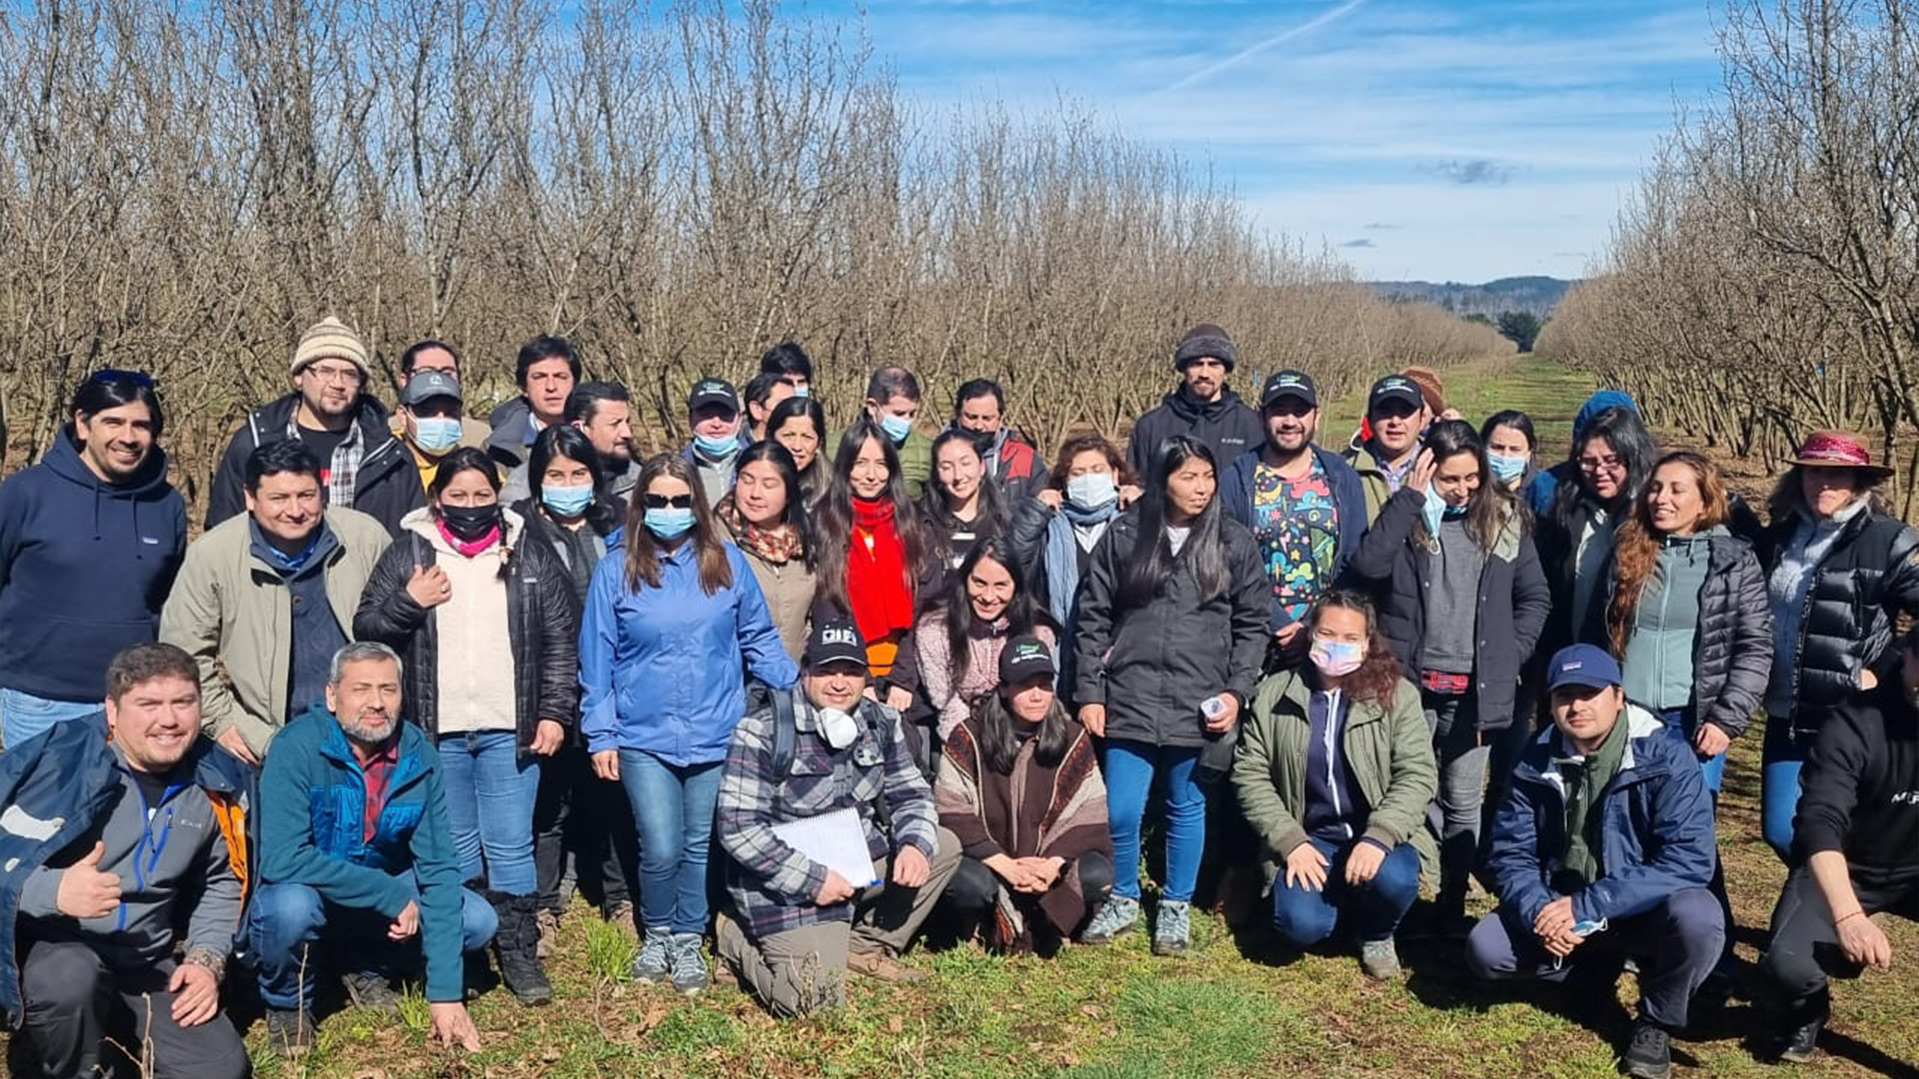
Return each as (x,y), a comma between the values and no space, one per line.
(335,374)
(114,374)
(1602,464)
(660,502)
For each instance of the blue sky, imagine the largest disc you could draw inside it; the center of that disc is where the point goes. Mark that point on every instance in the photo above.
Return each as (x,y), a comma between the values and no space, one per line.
(1437,139)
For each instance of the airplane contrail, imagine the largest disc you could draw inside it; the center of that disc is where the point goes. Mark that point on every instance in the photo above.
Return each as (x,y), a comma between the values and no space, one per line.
(1261,46)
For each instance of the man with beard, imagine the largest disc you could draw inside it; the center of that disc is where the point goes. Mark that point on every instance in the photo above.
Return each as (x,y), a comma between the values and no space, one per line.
(603,411)
(1304,505)
(1202,406)
(139,854)
(90,540)
(1397,416)
(357,861)
(1012,462)
(362,466)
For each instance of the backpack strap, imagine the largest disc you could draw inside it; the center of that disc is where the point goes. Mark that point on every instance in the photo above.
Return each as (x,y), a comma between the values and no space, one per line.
(786,732)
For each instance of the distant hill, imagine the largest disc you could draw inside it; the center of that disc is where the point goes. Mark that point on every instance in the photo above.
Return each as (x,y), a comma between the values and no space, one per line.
(1538,295)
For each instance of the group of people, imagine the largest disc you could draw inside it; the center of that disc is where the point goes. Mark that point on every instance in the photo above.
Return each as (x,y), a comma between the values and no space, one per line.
(422,677)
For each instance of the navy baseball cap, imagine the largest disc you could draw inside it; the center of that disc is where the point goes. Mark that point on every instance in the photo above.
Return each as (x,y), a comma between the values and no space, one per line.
(1395,388)
(1582,665)
(1289,383)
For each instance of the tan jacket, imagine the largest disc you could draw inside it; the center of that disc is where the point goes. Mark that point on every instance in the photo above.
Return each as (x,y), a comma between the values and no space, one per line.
(230,611)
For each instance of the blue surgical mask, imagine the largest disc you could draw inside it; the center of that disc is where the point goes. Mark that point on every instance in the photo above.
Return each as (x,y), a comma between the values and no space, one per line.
(1091,490)
(896,427)
(567,501)
(436,434)
(669,522)
(1433,510)
(1506,469)
(802,392)
(716,448)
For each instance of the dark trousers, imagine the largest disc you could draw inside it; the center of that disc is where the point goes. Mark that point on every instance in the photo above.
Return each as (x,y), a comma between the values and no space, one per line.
(971,894)
(579,814)
(75,1001)
(1676,945)
(1805,953)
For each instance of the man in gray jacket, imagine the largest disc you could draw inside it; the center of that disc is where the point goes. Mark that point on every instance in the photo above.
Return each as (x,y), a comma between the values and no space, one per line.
(116,830)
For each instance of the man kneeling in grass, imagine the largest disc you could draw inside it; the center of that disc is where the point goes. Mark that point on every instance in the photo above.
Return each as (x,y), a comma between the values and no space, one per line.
(819,748)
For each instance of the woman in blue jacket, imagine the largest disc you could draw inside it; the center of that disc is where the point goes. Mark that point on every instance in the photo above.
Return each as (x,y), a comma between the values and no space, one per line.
(672,621)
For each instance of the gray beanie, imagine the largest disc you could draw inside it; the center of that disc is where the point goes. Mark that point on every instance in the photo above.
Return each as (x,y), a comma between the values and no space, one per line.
(1206,339)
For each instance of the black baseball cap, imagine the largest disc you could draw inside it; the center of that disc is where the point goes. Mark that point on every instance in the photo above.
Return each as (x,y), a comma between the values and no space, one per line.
(712,391)
(1024,657)
(835,640)
(1289,383)
(1395,388)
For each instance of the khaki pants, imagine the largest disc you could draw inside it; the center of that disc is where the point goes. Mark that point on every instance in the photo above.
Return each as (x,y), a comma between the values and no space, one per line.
(800,971)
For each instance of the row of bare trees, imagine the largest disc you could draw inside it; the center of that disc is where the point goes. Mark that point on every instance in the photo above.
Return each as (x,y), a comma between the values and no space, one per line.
(1766,280)
(186,184)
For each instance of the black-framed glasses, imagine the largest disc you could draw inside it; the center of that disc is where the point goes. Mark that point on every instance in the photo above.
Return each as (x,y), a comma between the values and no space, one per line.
(660,502)
(114,374)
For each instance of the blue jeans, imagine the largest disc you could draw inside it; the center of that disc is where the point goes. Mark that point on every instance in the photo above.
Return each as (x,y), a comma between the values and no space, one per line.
(1781,761)
(1683,725)
(1131,768)
(673,806)
(285,921)
(490,790)
(1305,917)
(23,715)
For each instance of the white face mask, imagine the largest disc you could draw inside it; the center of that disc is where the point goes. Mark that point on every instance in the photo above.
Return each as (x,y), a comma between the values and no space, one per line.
(837,728)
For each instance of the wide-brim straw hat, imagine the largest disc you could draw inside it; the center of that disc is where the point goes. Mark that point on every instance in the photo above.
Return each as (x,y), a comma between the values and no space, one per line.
(1840,449)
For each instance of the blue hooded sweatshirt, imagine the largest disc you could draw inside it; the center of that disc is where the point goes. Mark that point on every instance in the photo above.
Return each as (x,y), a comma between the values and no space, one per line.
(85,567)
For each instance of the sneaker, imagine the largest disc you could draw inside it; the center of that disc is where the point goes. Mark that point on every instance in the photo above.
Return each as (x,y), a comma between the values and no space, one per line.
(688,964)
(1802,1041)
(1379,959)
(655,956)
(1173,930)
(1115,916)
(1650,1054)
(290,1031)
(549,932)
(883,966)
(619,913)
(371,991)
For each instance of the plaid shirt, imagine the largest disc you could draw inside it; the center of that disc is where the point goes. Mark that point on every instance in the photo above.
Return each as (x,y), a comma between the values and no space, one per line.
(344,469)
(771,884)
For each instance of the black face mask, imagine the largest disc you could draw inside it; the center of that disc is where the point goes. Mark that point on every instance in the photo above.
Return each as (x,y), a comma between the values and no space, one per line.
(470,523)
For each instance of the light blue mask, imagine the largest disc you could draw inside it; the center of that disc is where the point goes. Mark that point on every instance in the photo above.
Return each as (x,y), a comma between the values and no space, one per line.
(567,501)
(1092,490)
(896,427)
(716,448)
(802,392)
(1506,469)
(1433,511)
(436,434)
(669,522)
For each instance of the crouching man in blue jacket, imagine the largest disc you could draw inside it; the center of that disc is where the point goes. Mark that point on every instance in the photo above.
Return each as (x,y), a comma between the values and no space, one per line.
(117,829)
(1604,849)
(357,861)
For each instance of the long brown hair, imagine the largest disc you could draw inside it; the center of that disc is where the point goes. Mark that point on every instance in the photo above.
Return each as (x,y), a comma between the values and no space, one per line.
(833,516)
(1789,495)
(1636,551)
(1377,679)
(643,548)
(1492,503)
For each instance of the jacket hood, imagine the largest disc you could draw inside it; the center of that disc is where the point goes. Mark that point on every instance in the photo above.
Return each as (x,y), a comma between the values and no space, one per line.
(1640,725)
(63,460)
(1190,409)
(1600,402)
(421,523)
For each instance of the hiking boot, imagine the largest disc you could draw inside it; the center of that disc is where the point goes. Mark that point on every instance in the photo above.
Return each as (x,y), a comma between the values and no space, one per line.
(549,921)
(1379,959)
(371,991)
(883,966)
(1173,929)
(290,1031)
(1115,916)
(619,913)
(1650,1054)
(516,947)
(656,955)
(688,969)
(1802,1041)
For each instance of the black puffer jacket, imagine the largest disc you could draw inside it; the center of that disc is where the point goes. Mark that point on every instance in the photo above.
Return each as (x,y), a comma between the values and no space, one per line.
(1732,650)
(543,628)
(1151,665)
(1228,426)
(1868,577)
(1512,607)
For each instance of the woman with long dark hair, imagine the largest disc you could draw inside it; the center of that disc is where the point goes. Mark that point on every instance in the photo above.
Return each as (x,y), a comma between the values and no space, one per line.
(568,512)
(765,514)
(799,424)
(961,505)
(669,631)
(1019,784)
(1173,620)
(1611,459)
(1840,571)
(874,553)
(1334,772)
(957,641)
(1463,601)
(487,625)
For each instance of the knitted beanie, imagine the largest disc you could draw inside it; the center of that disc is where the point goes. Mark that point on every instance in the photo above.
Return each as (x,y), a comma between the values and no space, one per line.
(1430,387)
(1206,339)
(330,339)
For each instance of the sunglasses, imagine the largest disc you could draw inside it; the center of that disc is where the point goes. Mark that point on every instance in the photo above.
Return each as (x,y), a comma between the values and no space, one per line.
(114,374)
(660,502)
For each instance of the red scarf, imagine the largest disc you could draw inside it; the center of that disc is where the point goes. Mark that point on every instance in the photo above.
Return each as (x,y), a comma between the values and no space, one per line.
(876,584)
